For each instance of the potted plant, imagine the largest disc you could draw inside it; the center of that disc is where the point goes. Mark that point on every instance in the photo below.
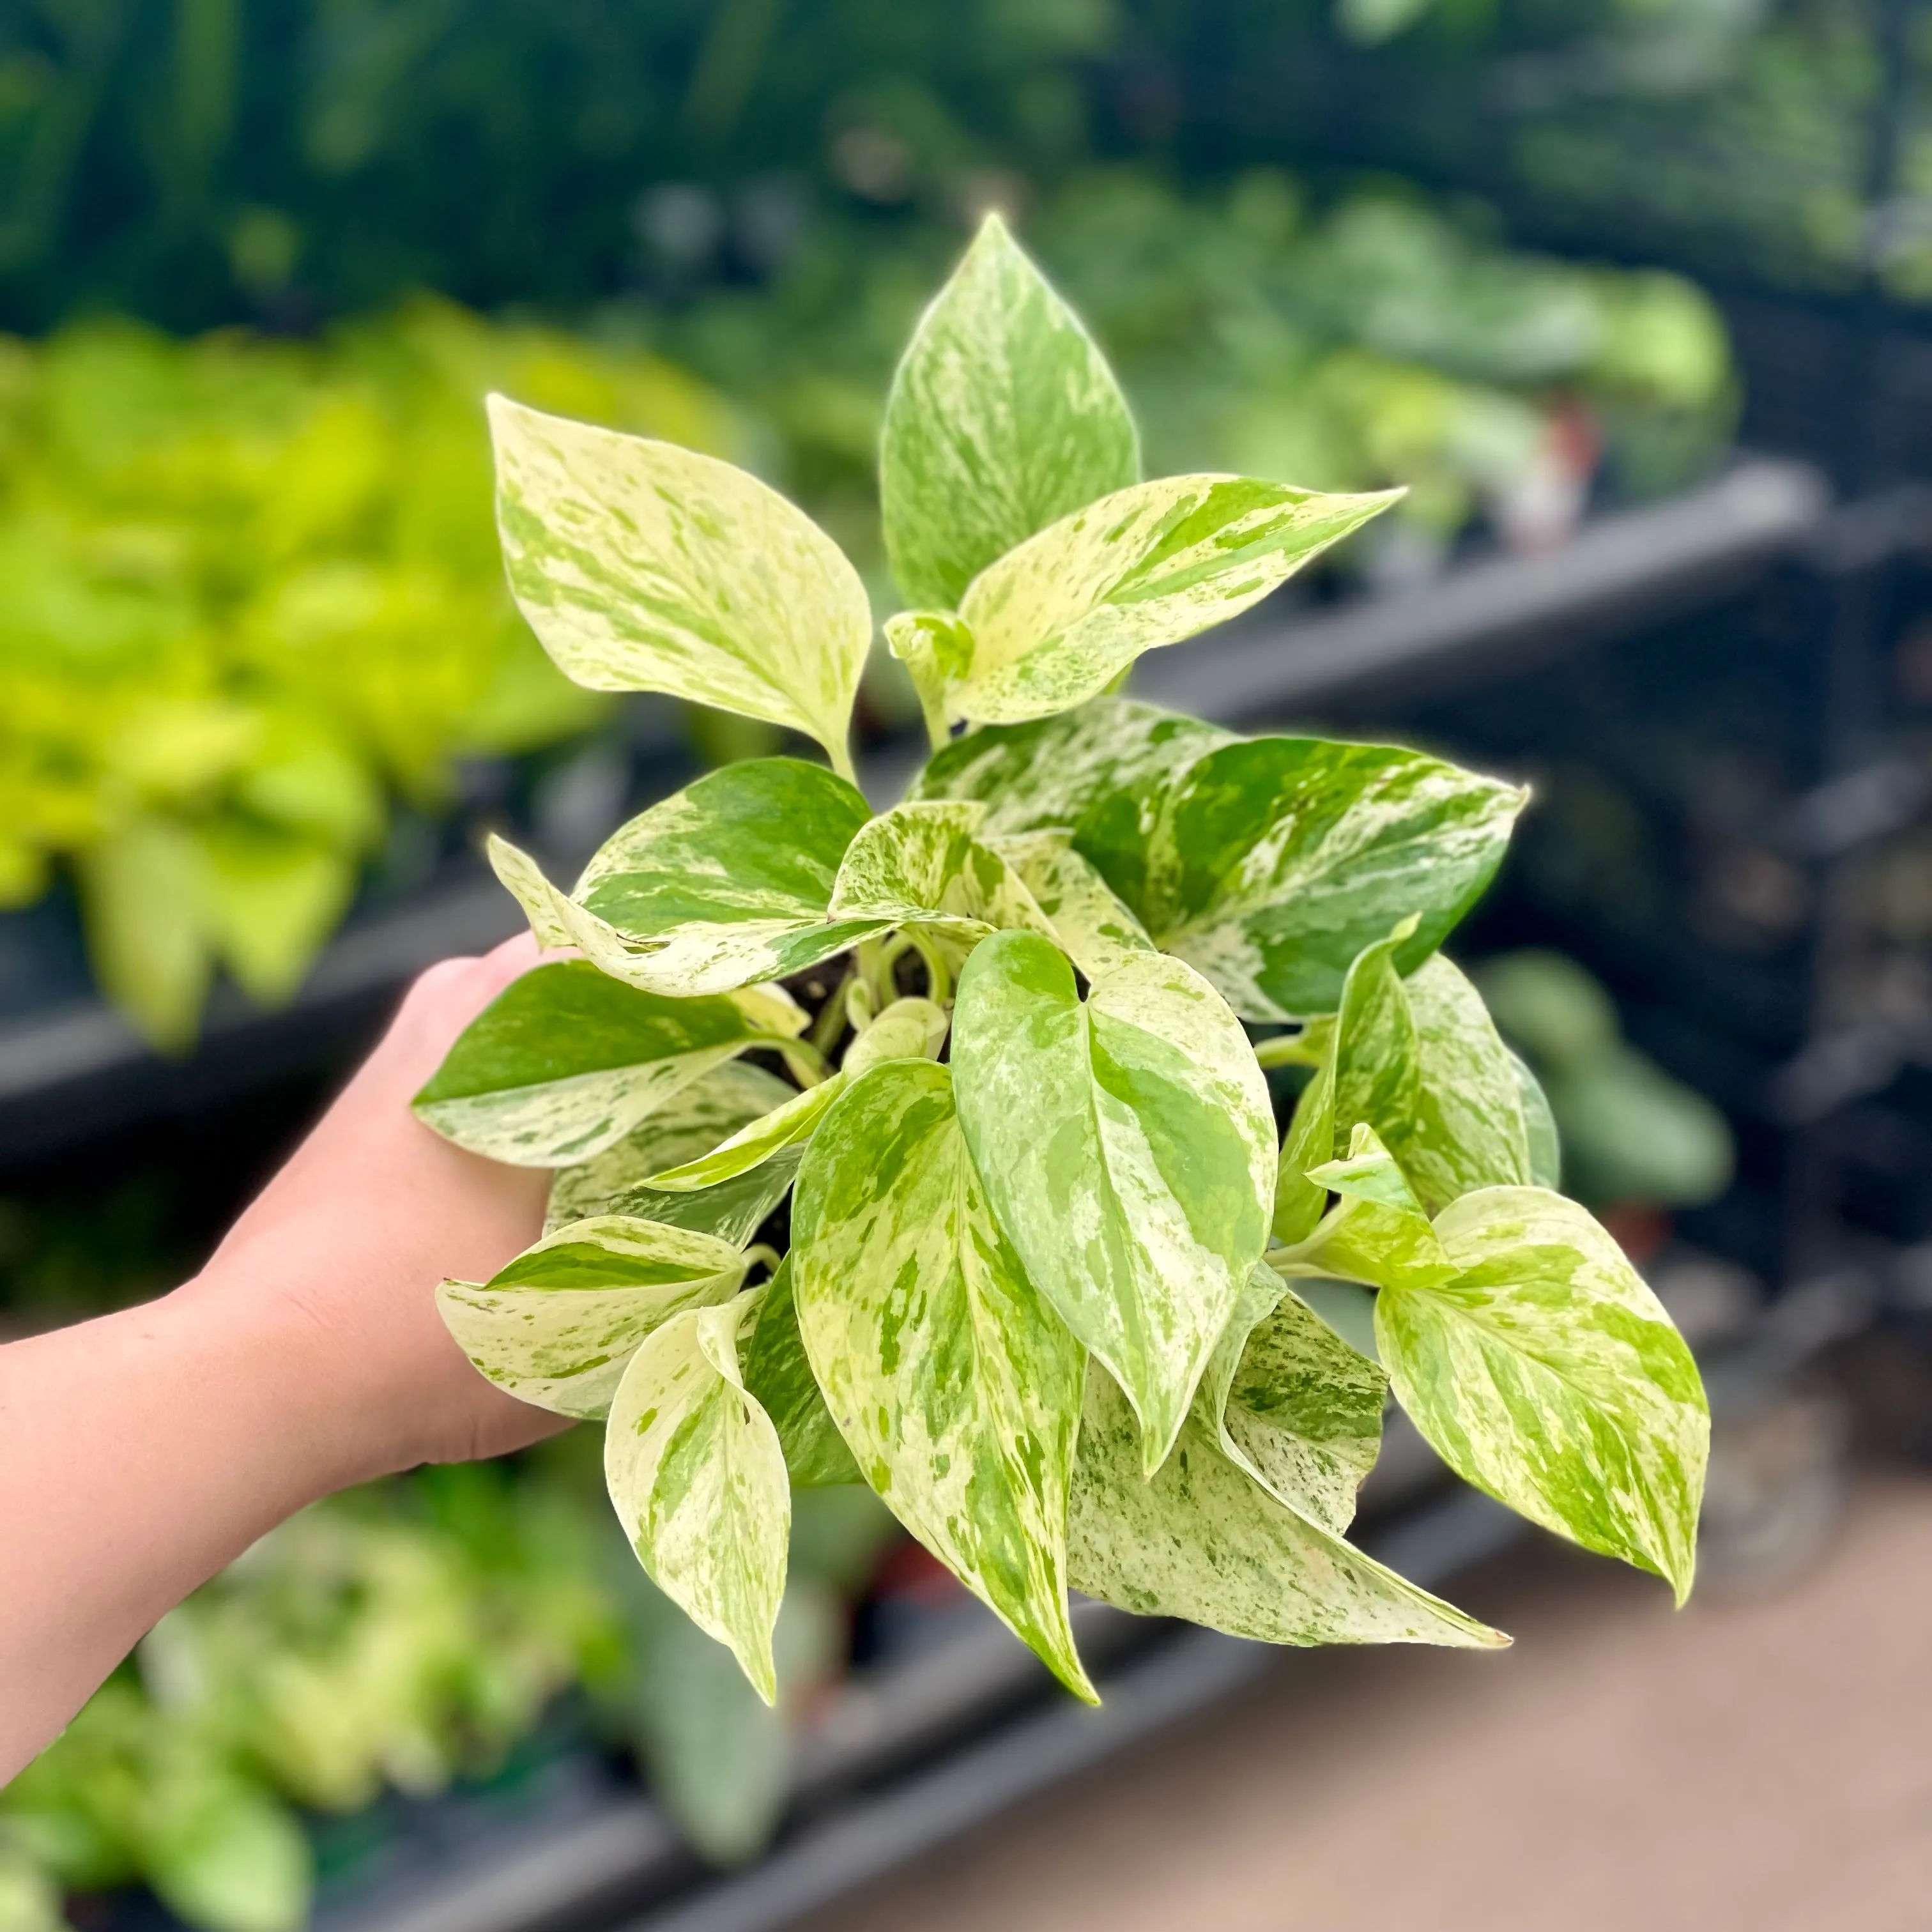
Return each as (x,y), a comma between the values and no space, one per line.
(1039,1290)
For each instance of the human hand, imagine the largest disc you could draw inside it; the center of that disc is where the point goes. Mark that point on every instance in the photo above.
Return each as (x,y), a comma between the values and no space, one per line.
(349,1241)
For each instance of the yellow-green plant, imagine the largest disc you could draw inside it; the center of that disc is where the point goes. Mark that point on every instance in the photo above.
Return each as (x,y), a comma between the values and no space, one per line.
(249,589)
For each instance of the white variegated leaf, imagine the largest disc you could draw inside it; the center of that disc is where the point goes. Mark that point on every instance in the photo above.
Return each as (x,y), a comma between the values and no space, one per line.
(908,1029)
(709,1111)
(1127,1145)
(924,863)
(1545,1371)
(779,1375)
(1204,1540)
(1377,1233)
(787,1126)
(1003,418)
(556,1327)
(644,567)
(697,1478)
(1293,1403)
(955,1385)
(1054,621)
(1094,928)
(565,1060)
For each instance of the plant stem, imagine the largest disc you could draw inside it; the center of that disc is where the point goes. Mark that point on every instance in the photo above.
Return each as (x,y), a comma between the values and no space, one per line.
(938,980)
(808,1065)
(1286,1049)
(831,1021)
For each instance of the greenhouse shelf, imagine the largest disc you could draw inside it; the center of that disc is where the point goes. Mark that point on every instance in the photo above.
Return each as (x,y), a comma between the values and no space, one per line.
(921,1752)
(73,1071)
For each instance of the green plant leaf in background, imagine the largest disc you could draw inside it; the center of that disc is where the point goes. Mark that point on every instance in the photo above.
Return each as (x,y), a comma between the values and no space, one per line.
(556,1326)
(1269,863)
(698,1478)
(948,1373)
(1293,1404)
(1127,1145)
(1544,1370)
(1056,620)
(779,1374)
(224,1854)
(1204,1540)
(1003,418)
(692,1122)
(565,1060)
(644,567)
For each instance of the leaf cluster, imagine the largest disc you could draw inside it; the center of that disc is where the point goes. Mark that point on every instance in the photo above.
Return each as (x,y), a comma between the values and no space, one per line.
(247,591)
(1039,1288)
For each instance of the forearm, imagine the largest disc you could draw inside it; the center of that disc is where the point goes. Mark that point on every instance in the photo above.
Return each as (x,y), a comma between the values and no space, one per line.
(138,1454)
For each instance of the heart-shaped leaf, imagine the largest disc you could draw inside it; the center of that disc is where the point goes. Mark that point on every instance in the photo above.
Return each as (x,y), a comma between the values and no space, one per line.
(556,1327)
(707,1112)
(925,864)
(955,1385)
(1003,417)
(1127,1145)
(1204,1540)
(565,1061)
(1055,621)
(644,567)
(1545,1371)
(698,1478)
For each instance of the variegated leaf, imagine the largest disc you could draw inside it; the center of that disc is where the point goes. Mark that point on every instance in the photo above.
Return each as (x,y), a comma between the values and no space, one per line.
(908,1029)
(1003,417)
(955,1384)
(708,1112)
(1268,864)
(786,1126)
(1204,1540)
(1293,1403)
(556,1327)
(777,1374)
(924,863)
(1539,1121)
(1545,1371)
(1127,1145)
(565,1060)
(1055,621)
(1050,773)
(1377,1233)
(698,1478)
(644,567)
(1094,929)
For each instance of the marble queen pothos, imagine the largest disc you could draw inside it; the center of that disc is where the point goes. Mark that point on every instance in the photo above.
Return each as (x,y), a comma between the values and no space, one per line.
(1041,1287)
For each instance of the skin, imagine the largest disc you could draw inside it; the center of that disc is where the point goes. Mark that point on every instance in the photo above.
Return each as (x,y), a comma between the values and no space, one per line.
(142,1452)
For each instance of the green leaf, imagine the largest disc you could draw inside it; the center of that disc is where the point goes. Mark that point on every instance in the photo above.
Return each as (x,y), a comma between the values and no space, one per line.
(1377,1232)
(1127,1145)
(644,567)
(696,895)
(691,1123)
(1095,930)
(1268,864)
(1293,1404)
(924,863)
(229,1857)
(1539,1121)
(556,1326)
(777,1372)
(1418,1060)
(698,1478)
(565,1061)
(1050,773)
(950,1377)
(1204,1540)
(908,1029)
(1055,621)
(787,1126)
(1003,418)
(1545,1371)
